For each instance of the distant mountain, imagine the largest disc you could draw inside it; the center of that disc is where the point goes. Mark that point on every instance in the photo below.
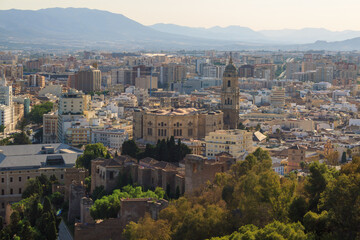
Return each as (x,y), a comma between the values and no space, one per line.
(346,45)
(86,28)
(231,33)
(238,33)
(308,35)
(81,28)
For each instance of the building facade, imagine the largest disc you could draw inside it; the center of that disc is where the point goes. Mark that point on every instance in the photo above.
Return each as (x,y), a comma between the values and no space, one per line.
(235,142)
(88,79)
(230,97)
(183,123)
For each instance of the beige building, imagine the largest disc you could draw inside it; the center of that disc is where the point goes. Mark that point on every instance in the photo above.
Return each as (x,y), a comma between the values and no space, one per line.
(50,125)
(296,155)
(235,142)
(146,82)
(278,97)
(184,123)
(88,80)
(288,124)
(22,162)
(78,135)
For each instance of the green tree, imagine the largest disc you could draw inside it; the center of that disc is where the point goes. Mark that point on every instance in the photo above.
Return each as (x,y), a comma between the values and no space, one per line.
(21,139)
(37,112)
(148,229)
(33,186)
(91,152)
(109,206)
(98,192)
(316,183)
(273,231)
(2,128)
(47,205)
(130,148)
(343,157)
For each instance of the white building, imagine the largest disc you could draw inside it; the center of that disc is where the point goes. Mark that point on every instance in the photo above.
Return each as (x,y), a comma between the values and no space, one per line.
(112,138)
(236,142)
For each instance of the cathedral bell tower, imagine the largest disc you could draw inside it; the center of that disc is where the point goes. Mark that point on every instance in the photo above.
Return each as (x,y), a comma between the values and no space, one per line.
(230,96)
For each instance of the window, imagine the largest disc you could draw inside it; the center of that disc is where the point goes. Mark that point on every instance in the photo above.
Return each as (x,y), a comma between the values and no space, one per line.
(2,180)
(19,190)
(3,205)
(19,179)
(28,177)
(11,191)
(190,132)
(111,175)
(62,176)
(229,83)
(2,192)
(11,179)
(150,131)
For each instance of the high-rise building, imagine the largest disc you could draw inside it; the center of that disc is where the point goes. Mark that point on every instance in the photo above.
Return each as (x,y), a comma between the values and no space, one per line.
(291,68)
(5,93)
(6,106)
(246,71)
(88,79)
(278,97)
(146,82)
(71,107)
(50,126)
(230,97)
(121,76)
(36,80)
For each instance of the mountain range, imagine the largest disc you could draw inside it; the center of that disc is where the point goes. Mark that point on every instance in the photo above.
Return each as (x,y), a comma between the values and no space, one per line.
(82,28)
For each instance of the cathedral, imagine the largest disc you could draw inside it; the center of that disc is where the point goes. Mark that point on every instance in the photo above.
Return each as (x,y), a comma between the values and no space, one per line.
(230,96)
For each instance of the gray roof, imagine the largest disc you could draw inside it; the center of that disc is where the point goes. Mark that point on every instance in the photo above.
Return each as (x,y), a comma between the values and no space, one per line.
(20,157)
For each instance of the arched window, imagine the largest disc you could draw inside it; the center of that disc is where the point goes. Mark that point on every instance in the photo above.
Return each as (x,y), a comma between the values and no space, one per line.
(229,83)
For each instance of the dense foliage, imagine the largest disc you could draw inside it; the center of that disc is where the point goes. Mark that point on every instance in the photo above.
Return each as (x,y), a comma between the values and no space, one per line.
(34,217)
(272,231)
(252,202)
(109,206)
(164,150)
(91,152)
(37,112)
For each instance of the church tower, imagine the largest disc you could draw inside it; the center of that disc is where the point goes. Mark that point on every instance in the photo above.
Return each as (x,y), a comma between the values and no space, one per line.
(230,96)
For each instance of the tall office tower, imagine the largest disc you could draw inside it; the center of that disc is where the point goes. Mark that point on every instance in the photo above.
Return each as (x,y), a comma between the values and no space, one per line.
(230,97)
(88,79)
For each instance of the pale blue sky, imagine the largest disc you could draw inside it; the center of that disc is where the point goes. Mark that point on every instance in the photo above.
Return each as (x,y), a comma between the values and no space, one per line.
(256,14)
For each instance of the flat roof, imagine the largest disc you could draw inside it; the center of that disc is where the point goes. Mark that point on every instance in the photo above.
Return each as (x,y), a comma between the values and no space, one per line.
(21,157)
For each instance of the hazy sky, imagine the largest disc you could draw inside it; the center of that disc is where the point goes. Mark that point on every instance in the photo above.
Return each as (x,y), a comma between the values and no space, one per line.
(256,14)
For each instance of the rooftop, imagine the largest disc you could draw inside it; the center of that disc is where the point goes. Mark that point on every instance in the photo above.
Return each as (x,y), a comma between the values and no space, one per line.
(33,156)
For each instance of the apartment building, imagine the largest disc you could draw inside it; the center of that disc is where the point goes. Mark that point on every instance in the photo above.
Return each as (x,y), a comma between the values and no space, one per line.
(235,142)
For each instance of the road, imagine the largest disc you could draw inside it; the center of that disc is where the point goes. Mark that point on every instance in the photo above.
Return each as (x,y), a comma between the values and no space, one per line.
(64,233)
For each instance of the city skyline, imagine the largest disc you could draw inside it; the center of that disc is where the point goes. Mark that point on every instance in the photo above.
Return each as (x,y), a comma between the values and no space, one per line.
(257,15)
